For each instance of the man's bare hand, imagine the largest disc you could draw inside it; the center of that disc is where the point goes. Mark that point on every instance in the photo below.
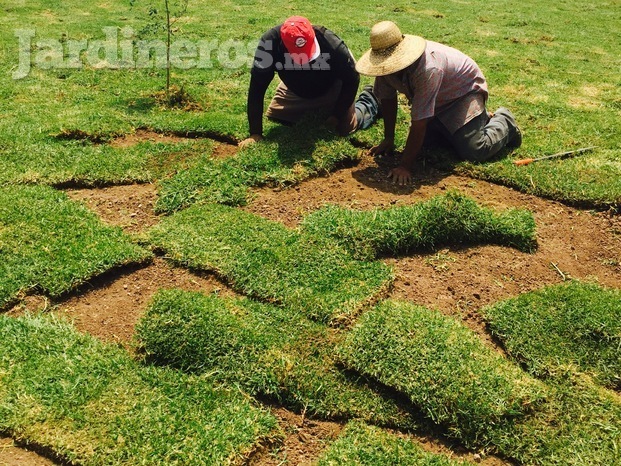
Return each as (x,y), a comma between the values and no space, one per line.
(386,147)
(249,141)
(400,175)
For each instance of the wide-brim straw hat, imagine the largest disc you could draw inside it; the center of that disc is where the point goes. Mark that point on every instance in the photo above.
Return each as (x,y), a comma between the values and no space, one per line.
(390,50)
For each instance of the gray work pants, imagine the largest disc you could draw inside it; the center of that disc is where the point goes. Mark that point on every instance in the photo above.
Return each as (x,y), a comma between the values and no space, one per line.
(482,137)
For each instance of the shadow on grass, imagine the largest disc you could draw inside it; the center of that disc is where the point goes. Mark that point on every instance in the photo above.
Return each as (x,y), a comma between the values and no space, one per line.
(140,105)
(423,173)
(433,165)
(298,143)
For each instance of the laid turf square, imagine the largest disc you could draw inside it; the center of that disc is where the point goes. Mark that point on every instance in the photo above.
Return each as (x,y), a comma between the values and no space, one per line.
(266,350)
(580,424)
(574,324)
(361,444)
(442,367)
(263,259)
(51,243)
(451,219)
(92,404)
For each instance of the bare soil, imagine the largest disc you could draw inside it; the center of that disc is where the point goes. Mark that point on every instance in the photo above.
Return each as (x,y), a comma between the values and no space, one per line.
(13,455)
(572,243)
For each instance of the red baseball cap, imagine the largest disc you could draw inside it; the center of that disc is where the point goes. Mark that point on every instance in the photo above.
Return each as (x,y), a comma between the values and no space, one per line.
(298,35)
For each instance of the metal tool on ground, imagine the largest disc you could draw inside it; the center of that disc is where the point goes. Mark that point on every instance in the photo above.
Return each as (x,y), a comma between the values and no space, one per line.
(554,156)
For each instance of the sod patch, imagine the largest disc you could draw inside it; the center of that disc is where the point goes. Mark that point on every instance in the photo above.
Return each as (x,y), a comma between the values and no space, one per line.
(574,324)
(265,260)
(579,425)
(91,404)
(287,157)
(451,219)
(53,244)
(442,367)
(265,350)
(362,444)
(592,180)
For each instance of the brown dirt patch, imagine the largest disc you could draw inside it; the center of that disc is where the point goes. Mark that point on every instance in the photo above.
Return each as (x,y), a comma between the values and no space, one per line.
(572,243)
(145,135)
(109,307)
(129,207)
(304,440)
(221,149)
(13,455)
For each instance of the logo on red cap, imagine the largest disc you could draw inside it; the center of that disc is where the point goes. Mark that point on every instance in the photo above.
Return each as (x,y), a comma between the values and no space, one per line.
(298,36)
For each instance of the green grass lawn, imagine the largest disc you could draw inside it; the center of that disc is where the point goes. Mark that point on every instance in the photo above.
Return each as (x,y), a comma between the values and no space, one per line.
(52,244)
(555,66)
(91,404)
(549,401)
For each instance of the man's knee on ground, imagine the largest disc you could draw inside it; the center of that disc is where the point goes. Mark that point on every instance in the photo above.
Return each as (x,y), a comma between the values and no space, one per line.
(474,151)
(280,121)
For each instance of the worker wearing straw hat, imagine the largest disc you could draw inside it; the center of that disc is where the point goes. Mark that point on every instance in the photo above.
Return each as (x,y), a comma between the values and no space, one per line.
(447,92)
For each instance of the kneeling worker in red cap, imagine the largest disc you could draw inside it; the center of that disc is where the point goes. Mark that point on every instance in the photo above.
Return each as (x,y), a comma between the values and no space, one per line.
(447,92)
(317,73)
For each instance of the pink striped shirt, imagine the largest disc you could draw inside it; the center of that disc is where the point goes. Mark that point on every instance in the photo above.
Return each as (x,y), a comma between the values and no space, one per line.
(444,83)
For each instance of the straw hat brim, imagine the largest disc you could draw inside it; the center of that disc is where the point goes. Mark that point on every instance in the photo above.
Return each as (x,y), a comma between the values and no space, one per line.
(393,59)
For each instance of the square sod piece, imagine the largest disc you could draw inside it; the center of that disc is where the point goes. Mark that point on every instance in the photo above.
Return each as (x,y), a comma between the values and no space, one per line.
(91,403)
(574,324)
(265,260)
(53,244)
(442,367)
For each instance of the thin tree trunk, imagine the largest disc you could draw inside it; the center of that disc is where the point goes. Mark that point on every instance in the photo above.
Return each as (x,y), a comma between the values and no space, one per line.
(168,34)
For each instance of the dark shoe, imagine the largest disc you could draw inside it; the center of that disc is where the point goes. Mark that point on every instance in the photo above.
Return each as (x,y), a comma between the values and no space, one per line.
(516,140)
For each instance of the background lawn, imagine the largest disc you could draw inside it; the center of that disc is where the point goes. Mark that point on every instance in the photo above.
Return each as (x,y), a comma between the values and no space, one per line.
(556,66)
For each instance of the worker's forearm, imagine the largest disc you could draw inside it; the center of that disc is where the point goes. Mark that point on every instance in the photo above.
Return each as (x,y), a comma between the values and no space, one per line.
(256,94)
(389,112)
(414,143)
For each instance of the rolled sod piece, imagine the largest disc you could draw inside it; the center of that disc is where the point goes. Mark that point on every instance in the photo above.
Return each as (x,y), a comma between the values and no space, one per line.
(445,220)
